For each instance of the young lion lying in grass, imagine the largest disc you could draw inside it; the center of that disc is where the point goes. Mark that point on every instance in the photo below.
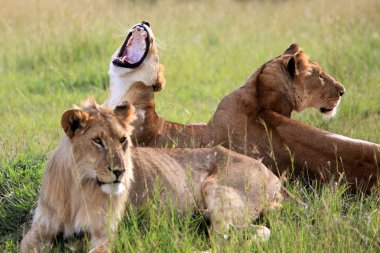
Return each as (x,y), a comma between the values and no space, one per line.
(95,172)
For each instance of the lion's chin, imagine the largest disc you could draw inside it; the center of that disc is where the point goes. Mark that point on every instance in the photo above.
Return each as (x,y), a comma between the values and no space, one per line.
(328,114)
(113,188)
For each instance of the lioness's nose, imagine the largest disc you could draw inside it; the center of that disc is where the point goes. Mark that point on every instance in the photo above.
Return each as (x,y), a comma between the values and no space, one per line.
(340,88)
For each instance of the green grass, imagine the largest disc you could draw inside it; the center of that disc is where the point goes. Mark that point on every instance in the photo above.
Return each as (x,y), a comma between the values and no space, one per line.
(55,54)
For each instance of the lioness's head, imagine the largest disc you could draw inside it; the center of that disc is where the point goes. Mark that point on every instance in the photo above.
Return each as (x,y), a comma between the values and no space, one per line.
(293,82)
(137,58)
(314,87)
(101,144)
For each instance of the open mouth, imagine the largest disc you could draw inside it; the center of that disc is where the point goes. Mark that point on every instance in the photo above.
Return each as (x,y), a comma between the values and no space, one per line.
(325,110)
(135,48)
(100,183)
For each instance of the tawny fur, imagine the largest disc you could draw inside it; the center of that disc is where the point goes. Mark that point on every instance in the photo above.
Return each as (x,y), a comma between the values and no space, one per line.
(230,188)
(71,198)
(268,97)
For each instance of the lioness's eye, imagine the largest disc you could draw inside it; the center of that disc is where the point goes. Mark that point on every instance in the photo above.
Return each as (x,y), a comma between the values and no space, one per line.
(98,142)
(123,140)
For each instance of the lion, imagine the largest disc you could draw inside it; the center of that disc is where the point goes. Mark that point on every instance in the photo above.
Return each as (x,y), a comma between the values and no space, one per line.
(95,173)
(255,120)
(86,180)
(137,59)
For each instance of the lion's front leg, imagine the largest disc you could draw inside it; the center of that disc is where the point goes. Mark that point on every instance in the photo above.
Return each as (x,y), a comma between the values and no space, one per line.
(99,241)
(101,248)
(38,232)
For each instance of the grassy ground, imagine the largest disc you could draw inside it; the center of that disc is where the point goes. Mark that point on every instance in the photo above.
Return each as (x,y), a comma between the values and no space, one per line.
(56,53)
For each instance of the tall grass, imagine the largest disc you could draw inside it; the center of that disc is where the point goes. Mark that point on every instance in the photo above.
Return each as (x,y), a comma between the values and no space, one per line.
(56,53)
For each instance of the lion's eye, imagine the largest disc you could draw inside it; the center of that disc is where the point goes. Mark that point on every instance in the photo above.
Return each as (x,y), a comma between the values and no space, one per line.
(123,140)
(98,142)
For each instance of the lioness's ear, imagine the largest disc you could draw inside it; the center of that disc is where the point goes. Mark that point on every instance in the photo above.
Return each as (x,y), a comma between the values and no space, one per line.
(298,64)
(292,49)
(72,120)
(291,67)
(160,82)
(125,112)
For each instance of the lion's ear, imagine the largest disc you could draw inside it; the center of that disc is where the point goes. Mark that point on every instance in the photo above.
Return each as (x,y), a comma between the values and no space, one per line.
(291,67)
(72,120)
(298,64)
(125,112)
(160,82)
(293,49)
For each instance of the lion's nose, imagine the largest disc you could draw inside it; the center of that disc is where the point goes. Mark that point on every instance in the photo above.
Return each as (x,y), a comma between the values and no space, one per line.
(118,173)
(340,89)
(146,23)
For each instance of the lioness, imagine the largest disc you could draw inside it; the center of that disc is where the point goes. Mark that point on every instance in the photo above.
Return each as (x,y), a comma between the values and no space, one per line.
(137,59)
(286,83)
(95,172)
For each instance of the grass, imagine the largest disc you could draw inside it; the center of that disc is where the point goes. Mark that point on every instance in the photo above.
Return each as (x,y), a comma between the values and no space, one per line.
(54,54)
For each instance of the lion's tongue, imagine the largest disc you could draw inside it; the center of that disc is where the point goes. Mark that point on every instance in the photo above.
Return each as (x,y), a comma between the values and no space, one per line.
(135,49)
